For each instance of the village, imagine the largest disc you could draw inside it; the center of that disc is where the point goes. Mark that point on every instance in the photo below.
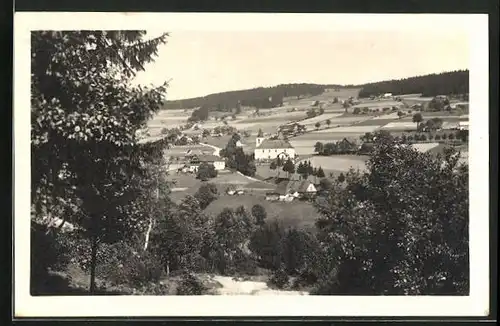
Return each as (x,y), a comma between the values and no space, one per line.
(280,140)
(201,186)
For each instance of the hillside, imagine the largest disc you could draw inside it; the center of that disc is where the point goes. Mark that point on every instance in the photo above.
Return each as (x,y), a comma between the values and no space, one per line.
(455,82)
(261,97)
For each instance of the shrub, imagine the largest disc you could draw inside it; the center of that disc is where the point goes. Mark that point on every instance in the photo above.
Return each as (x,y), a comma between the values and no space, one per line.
(437,137)
(49,251)
(190,285)
(444,136)
(279,279)
(423,137)
(121,264)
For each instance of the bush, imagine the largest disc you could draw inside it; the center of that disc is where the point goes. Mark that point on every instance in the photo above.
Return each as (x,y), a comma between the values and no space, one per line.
(190,285)
(121,264)
(437,137)
(279,279)
(49,251)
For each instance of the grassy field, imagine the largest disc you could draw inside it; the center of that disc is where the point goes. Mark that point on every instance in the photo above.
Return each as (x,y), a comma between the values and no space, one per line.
(340,163)
(297,213)
(180,150)
(187,184)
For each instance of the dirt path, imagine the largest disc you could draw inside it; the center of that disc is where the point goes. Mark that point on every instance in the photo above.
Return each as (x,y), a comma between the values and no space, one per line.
(231,286)
(215,148)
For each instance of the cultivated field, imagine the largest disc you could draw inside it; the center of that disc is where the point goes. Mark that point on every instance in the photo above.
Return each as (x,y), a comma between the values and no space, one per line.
(400,126)
(320,118)
(377,104)
(349,130)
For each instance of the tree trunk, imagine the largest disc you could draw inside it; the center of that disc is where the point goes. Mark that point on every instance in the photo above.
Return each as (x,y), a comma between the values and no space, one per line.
(148,232)
(93,263)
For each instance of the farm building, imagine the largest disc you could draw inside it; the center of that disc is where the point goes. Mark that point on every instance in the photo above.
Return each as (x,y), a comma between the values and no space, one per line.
(194,161)
(289,129)
(267,149)
(235,190)
(463,125)
(288,190)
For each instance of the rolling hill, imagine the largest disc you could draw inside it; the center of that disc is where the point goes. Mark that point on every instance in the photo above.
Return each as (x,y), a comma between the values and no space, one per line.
(455,82)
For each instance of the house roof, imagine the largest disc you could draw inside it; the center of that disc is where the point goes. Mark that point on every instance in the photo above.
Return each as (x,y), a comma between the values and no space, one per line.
(207,158)
(304,185)
(275,144)
(290,186)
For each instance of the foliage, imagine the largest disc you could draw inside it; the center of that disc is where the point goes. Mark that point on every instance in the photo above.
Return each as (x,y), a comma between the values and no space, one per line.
(232,231)
(463,135)
(260,214)
(237,159)
(438,104)
(325,184)
(50,250)
(318,147)
(317,125)
(455,82)
(200,114)
(206,194)
(190,285)
(289,167)
(320,173)
(183,237)
(266,243)
(417,118)
(258,97)
(279,279)
(400,228)
(85,118)
(122,264)
(206,171)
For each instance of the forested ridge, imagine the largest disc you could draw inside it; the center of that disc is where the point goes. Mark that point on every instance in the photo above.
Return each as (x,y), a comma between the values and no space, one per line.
(446,83)
(262,97)
(454,82)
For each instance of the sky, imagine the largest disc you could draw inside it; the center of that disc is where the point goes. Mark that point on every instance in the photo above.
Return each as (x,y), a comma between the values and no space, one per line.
(198,63)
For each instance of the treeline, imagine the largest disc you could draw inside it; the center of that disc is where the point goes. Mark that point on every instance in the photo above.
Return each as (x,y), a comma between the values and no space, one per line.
(455,82)
(261,97)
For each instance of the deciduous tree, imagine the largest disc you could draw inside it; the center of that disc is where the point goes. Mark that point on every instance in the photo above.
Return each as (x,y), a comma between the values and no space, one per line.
(85,117)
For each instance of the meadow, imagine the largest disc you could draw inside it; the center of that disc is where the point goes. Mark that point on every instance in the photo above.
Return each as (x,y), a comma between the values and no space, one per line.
(297,213)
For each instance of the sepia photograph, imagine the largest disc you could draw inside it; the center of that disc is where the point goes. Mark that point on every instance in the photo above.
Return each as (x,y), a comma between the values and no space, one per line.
(327,161)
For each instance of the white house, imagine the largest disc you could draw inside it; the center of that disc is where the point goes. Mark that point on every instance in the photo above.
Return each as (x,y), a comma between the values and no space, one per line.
(267,149)
(195,160)
(463,125)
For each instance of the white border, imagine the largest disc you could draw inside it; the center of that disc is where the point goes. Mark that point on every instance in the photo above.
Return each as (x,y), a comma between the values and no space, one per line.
(476,304)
